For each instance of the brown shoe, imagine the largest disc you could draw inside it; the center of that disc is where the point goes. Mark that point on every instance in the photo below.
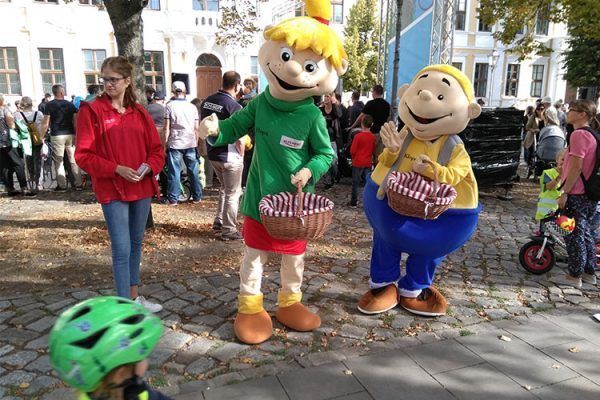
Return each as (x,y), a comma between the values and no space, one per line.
(429,303)
(379,300)
(298,318)
(253,328)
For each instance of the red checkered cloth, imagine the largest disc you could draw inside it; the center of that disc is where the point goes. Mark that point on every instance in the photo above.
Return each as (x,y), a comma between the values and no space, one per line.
(419,188)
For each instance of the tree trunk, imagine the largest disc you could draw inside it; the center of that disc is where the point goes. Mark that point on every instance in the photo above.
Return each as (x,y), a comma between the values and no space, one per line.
(126,19)
(396,59)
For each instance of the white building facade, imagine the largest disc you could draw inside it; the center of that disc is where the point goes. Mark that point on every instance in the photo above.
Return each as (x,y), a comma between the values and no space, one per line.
(498,77)
(44,42)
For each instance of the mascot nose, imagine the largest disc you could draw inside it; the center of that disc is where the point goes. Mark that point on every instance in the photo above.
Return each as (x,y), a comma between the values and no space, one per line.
(294,67)
(425,95)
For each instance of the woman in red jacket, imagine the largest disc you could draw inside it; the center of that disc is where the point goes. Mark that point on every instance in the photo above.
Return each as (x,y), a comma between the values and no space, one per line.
(119,147)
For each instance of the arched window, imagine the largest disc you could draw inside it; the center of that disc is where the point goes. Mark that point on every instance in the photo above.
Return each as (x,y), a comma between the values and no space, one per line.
(207,60)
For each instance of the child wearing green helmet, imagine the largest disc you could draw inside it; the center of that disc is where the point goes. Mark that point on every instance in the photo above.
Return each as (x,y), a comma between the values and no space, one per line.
(101,347)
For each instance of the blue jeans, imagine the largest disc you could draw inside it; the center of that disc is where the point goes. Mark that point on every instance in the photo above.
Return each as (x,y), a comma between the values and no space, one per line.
(191,163)
(126,222)
(359,174)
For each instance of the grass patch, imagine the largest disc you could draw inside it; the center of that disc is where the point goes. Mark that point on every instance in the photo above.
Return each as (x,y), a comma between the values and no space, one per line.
(466,332)
(388,319)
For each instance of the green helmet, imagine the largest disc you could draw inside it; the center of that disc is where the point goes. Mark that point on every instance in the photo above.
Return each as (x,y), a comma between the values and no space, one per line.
(97,335)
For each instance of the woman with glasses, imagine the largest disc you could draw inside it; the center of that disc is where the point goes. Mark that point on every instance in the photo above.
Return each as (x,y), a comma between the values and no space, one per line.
(119,147)
(533,128)
(579,162)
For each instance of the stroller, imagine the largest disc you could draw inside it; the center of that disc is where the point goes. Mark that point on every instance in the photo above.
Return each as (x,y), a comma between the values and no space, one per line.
(550,142)
(540,254)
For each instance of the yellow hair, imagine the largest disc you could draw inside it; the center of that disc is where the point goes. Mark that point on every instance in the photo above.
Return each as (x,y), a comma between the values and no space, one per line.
(303,33)
(457,74)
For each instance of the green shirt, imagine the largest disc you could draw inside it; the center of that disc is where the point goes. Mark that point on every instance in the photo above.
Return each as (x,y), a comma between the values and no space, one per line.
(288,137)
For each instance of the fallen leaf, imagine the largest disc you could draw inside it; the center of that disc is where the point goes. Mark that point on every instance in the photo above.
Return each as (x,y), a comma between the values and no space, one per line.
(574,349)
(505,338)
(348,372)
(527,387)
(556,366)
(23,385)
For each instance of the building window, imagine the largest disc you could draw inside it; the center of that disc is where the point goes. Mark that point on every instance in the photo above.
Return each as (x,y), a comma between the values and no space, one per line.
(154,71)
(483,27)
(10,82)
(92,60)
(512,80)
(480,79)
(337,11)
(542,22)
(537,80)
(457,65)
(206,5)
(47,1)
(299,11)
(154,5)
(461,15)
(254,65)
(90,2)
(52,68)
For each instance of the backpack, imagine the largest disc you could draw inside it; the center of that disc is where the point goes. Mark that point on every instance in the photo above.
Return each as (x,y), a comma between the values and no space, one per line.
(36,136)
(592,185)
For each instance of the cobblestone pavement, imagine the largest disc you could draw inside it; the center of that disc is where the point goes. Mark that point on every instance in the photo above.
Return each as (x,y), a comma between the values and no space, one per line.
(483,282)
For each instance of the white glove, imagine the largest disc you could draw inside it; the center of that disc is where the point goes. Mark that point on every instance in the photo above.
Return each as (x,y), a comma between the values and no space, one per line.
(209,126)
(302,177)
(420,164)
(391,138)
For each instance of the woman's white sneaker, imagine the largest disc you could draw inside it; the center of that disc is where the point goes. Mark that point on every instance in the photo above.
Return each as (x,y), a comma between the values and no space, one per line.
(150,306)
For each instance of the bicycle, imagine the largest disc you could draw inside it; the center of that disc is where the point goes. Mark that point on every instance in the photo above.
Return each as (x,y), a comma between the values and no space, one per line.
(539,255)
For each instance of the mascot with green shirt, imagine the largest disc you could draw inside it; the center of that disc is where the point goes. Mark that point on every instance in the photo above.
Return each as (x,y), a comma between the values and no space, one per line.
(301,58)
(435,107)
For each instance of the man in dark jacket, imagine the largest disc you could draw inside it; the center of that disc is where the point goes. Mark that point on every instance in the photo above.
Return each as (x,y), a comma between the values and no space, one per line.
(227,161)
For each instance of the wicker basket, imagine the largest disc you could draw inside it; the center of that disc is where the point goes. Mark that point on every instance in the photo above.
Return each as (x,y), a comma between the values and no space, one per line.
(413,195)
(295,216)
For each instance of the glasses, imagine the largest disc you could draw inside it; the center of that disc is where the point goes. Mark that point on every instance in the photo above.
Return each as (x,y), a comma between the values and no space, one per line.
(574,109)
(109,81)
(539,109)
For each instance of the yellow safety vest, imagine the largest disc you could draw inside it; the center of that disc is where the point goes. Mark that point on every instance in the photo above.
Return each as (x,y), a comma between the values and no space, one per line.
(548,198)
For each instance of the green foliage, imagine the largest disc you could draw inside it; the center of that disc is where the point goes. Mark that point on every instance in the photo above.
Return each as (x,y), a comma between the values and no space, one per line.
(362,35)
(237,26)
(581,17)
(582,62)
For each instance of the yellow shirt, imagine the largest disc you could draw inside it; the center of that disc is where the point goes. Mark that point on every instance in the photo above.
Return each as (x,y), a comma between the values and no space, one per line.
(458,173)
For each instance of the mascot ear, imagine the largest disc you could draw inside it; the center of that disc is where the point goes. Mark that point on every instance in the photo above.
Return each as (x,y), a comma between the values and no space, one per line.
(474,110)
(342,70)
(403,90)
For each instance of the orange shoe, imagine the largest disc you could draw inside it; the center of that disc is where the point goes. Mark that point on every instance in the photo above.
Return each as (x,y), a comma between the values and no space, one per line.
(253,328)
(429,303)
(379,300)
(298,318)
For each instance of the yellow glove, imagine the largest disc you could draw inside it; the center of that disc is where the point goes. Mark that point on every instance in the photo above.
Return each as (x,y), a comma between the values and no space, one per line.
(209,126)
(301,177)
(420,164)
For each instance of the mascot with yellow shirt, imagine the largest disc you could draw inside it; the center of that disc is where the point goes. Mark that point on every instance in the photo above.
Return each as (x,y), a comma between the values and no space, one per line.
(435,107)
(301,57)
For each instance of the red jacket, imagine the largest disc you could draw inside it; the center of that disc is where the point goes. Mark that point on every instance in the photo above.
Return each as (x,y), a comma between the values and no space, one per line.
(106,139)
(362,149)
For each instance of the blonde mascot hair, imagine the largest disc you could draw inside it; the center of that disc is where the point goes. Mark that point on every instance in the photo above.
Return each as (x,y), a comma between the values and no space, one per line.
(311,32)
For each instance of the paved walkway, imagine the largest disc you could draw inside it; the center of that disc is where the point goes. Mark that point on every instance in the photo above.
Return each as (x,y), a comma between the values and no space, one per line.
(483,283)
(549,357)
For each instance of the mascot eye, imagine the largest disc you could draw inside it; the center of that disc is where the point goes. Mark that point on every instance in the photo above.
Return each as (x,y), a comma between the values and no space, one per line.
(441,97)
(310,66)
(286,54)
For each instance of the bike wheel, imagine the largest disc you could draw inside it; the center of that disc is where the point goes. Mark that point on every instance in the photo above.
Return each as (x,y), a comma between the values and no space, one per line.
(186,192)
(530,261)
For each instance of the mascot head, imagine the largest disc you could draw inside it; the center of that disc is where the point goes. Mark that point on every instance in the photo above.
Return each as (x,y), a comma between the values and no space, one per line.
(439,101)
(303,56)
